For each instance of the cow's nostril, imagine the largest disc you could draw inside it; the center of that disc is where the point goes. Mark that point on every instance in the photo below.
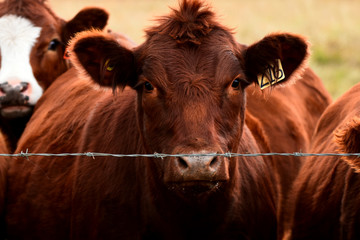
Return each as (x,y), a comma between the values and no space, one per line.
(213,161)
(182,163)
(4,87)
(24,86)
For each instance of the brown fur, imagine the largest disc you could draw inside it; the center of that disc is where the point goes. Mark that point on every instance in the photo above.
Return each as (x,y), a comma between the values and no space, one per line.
(195,105)
(190,24)
(287,117)
(347,138)
(324,203)
(47,65)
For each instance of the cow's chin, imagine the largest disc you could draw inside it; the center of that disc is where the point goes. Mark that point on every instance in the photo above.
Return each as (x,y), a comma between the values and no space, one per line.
(16,111)
(195,190)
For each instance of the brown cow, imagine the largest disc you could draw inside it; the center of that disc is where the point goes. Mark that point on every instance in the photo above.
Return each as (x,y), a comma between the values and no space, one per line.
(184,92)
(325,201)
(32,43)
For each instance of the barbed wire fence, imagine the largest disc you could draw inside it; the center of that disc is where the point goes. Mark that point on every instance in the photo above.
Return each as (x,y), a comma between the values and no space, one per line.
(27,154)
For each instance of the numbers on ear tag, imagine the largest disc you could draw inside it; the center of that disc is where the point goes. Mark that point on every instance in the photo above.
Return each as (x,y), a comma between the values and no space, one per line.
(275,73)
(108,67)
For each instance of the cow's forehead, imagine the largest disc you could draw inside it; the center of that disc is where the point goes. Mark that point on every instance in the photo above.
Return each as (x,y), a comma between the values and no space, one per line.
(35,11)
(211,59)
(17,32)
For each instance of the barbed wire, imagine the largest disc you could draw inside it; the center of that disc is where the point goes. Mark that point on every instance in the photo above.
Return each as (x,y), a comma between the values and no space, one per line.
(27,154)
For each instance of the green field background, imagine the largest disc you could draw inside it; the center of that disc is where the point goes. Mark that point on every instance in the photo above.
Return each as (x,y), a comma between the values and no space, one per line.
(331,26)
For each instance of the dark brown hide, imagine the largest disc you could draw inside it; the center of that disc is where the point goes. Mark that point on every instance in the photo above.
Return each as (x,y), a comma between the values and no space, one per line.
(283,121)
(324,203)
(181,94)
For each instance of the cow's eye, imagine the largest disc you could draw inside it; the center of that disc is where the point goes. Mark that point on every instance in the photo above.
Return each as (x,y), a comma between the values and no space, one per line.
(239,83)
(236,83)
(53,44)
(148,86)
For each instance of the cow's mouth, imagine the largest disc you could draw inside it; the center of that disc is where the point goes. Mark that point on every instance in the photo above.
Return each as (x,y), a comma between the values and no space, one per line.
(15,105)
(196,188)
(15,111)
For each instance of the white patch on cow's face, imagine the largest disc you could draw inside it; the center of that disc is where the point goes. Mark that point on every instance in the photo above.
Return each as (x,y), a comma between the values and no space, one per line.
(17,37)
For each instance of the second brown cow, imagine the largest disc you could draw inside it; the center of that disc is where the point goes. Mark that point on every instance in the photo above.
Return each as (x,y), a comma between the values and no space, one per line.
(324,203)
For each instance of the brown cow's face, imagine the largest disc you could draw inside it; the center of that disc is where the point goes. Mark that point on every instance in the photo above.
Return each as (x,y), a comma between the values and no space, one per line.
(32,44)
(190,77)
(192,101)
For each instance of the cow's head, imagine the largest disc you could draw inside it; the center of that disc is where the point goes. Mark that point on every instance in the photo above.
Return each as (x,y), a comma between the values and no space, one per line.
(32,45)
(190,76)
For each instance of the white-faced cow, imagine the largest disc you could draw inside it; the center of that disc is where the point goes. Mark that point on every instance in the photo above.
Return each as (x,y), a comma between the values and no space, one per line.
(32,45)
(180,92)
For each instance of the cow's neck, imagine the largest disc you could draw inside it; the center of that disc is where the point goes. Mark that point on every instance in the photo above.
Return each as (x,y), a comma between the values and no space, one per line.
(13,129)
(195,213)
(198,217)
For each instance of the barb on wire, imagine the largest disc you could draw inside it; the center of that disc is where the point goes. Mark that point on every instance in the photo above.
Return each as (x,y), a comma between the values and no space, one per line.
(26,154)
(90,154)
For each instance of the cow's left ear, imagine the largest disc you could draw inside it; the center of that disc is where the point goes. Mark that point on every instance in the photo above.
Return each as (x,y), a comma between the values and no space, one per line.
(86,19)
(347,139)
(101,56)
(291,51)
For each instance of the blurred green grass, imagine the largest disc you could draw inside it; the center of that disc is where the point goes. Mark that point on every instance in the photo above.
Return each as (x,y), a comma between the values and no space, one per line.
(331,26)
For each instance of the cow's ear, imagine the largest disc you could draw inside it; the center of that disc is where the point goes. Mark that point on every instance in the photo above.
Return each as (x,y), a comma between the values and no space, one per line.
(347,138)
(283,54)
(106,61)
(86,19)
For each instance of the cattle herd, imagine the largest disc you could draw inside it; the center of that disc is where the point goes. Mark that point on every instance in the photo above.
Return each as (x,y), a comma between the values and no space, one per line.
(189,90)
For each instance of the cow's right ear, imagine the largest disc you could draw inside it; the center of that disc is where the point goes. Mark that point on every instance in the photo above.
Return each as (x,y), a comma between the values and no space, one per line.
(283,49)
(106,61)
(347,138)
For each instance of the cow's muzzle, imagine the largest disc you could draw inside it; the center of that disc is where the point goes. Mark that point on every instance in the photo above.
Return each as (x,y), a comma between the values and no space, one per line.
(196,174)
(13,101)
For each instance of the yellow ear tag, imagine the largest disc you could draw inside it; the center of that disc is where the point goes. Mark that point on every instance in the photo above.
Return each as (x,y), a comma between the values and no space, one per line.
(275,76)
(108,68)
